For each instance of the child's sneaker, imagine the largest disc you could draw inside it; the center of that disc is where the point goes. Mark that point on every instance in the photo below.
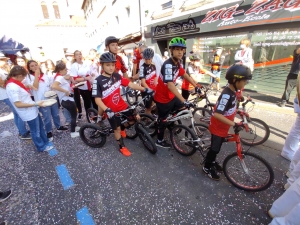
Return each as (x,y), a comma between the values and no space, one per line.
(125,151)
(62,128)
(211,173)
(48,148)
(217,166)
(50,136)
(74,134)
(123,133)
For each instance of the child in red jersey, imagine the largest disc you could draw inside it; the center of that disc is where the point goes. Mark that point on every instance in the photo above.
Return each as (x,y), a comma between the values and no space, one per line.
(106,90)
(148,76)
(223,116)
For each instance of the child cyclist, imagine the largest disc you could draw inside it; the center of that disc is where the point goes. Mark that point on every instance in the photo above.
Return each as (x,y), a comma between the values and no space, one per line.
(167,97)
(111,44)
(223,116)
(106,90)
(193,70)
(148,77)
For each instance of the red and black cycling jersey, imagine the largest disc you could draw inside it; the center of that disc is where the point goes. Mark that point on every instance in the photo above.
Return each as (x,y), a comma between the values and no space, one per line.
(120,65)
(226,105)
(170,71)
(185,84)
(108,89)
(137,58)
(148,72)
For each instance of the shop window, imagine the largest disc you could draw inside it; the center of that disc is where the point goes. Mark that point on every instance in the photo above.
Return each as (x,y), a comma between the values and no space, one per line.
(56,10)
(206,47)
(167,5)
(45,10)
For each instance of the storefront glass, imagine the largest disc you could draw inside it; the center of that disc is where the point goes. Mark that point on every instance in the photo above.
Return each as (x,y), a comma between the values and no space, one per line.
(272,55)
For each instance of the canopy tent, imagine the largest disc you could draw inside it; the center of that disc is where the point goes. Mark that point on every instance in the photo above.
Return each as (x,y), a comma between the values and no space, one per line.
(9,45)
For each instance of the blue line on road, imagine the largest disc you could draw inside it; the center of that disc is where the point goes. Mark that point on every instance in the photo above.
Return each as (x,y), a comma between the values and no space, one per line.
(53,152)
(64,176)
(84,217)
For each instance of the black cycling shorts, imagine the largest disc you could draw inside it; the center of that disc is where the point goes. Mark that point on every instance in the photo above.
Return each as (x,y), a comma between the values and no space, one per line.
(115,122)
(185,93)
(147,103)
(164,109)
(216,143)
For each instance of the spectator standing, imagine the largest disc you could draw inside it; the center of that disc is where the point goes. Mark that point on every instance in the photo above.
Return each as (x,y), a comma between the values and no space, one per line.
(291,79)
(20,124)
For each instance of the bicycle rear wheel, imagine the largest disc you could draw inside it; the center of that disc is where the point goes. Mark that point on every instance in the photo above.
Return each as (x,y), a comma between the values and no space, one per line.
(203,133)
(252,173)
(92,115)
(259,133)
(202,115)
(92,135)
(182,139)
(145,138)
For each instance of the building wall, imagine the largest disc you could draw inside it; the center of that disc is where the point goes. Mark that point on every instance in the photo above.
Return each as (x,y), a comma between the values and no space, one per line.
(111,18)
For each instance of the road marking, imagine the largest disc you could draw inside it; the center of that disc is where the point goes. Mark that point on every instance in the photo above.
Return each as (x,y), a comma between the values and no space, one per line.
(53,152)
(84,217)
(64,176)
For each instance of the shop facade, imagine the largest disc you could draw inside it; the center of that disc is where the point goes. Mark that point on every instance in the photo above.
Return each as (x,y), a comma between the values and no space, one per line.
(272,27)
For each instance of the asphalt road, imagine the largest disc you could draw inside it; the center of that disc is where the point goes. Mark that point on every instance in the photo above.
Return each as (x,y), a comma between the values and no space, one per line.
(165,188)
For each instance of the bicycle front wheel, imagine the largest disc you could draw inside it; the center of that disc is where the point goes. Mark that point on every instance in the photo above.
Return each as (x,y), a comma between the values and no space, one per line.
(259,133)
(92,135)
(145,138)
(149,124)
(203,133)
(131,96)
(92,115)
(252,173)
(182,139)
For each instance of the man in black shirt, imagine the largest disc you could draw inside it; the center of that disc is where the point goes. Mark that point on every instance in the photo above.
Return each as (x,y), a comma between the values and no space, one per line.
(291,79)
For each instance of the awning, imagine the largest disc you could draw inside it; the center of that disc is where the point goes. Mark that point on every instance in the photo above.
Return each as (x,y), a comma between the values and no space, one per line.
(130,38)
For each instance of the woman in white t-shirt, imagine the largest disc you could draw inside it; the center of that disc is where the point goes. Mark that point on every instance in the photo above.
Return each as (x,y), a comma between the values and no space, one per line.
(20,124)
(65,94)
(82,72)
(26,108)
(42,83)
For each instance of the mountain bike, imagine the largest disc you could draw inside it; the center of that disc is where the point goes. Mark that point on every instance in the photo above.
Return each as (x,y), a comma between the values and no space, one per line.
(95,136)
(259,131)
(245,170)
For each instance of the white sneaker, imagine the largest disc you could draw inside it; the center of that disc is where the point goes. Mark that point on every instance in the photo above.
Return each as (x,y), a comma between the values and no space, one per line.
(286,186)
(74,134)
(77,129)
(48,148)
(288,174)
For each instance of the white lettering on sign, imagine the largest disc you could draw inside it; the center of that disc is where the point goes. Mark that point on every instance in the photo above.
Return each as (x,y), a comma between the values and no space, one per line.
(257,7)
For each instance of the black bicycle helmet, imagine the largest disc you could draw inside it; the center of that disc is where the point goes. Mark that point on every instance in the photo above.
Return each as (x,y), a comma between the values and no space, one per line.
(177,42)
(107,57)
(238,72)
(111,39)
(194,57)
(148,53)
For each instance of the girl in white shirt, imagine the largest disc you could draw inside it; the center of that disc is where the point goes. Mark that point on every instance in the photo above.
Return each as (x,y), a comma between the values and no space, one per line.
(26,108)
(41,83)
(20,124)
(82,72)
(65,94)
